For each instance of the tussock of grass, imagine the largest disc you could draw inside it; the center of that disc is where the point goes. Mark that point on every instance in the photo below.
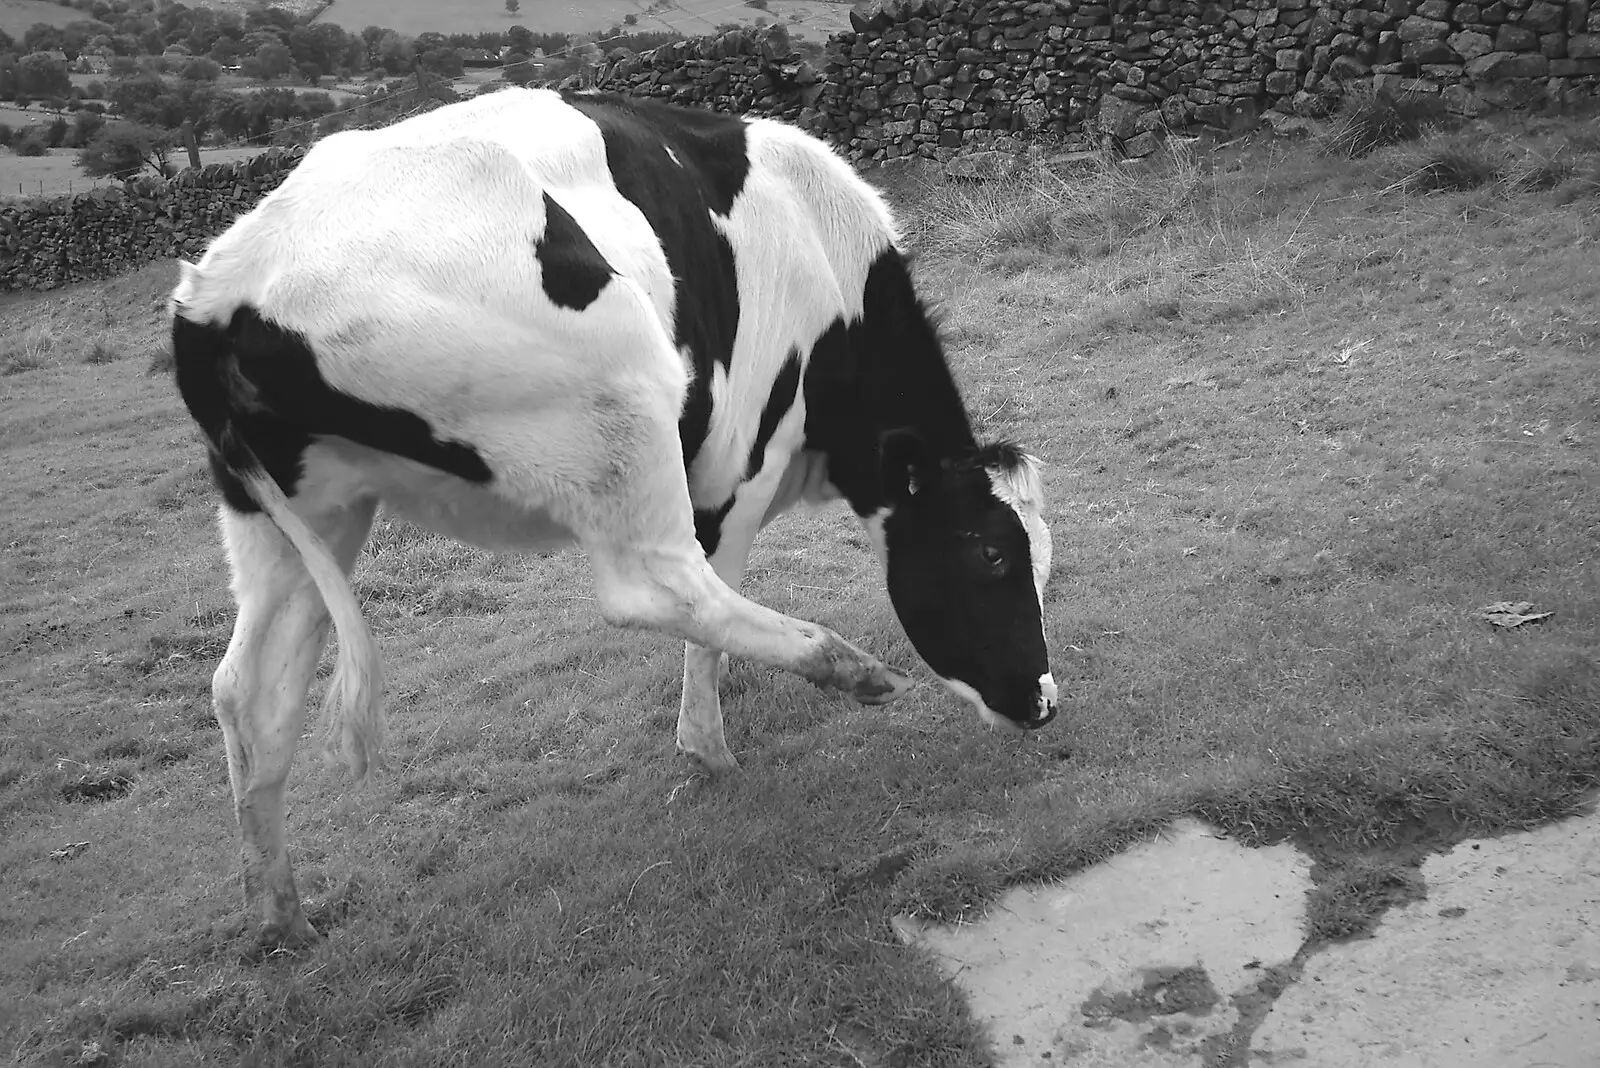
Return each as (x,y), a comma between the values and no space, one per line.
(1368,120)
(1453,162)
(30,351)
(102,351)
(1080,216)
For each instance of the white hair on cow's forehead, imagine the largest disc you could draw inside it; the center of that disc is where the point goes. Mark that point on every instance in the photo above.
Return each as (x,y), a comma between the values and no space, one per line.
(1017,479)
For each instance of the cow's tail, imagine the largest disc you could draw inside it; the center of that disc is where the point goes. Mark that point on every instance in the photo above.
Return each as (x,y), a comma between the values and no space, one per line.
(218,395)
(352,711)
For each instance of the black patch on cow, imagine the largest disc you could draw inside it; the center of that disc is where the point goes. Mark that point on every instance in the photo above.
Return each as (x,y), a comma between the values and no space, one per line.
(784,389)
(708,524)
(885,371)
(678,199)
(259,397)
(573,271)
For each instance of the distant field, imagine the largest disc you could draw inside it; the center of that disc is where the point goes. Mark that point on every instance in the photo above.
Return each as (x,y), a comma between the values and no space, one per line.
(693,17)
(57,172)
(16,16)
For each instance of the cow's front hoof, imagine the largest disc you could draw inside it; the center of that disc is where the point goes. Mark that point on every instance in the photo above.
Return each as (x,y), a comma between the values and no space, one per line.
(881,686)
(292,936)
(712,761)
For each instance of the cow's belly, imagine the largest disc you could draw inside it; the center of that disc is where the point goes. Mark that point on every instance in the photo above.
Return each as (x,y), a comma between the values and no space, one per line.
(339,471)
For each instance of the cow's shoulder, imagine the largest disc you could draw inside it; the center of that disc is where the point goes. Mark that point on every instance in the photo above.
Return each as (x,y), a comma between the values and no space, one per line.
(658,152)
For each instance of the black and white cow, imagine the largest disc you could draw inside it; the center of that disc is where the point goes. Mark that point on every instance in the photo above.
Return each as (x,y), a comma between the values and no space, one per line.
(531,320)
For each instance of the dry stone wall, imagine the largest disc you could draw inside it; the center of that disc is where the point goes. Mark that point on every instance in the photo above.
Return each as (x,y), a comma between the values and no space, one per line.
(48,242)
(941,79)
(934,78)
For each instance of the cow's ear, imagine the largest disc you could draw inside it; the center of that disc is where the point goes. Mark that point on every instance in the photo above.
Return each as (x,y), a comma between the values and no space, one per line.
(907,464)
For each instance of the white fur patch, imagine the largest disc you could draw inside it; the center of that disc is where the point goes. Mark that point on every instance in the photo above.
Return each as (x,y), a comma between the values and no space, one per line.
(987,714)
(874,525)
(805,231)
(1022,488)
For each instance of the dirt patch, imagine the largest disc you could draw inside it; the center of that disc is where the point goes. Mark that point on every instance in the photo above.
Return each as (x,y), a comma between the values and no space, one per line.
(875,872)
(1164,992)
(97,784)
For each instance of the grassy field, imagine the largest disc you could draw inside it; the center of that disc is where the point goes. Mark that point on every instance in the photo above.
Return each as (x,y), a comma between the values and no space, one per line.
(17,17)
(1303,415)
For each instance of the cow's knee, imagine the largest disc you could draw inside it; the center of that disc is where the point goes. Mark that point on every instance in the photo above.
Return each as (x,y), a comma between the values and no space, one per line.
(652,597)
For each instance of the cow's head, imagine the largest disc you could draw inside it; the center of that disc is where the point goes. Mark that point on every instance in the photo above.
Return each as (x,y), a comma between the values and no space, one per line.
(968,554)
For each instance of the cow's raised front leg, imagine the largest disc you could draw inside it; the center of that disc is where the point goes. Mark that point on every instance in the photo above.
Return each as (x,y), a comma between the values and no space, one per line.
(649,571)
(673,589)
(259,693)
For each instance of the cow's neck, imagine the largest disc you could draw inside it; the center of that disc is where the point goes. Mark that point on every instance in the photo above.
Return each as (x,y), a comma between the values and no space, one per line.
(884,371)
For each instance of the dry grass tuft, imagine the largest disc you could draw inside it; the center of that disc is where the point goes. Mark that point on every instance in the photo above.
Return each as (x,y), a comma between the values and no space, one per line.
(102,350)
(1084,215)
(1448,163)
(1367,121)
(30,351)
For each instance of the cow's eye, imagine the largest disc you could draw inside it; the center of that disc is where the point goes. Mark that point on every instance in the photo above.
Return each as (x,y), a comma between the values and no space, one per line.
(992,556)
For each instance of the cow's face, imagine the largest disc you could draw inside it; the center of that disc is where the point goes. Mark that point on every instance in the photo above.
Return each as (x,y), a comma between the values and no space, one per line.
(968,554)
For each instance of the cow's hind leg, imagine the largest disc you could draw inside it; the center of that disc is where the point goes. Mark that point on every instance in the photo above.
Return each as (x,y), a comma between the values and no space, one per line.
(259,693)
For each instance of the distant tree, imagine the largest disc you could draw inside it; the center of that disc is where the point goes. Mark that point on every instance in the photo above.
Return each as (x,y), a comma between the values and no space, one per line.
(41,37)
(445,62)
(78,36)
(519,39)
(519,73)
(42,75)
(630,19)
(512,6)
(319,48)
(201,69)
(85,125)
(122,150)
(396,54)
(225,50)
(138,98)
(273,60)
(56,133)
(6,134)
(29,143)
